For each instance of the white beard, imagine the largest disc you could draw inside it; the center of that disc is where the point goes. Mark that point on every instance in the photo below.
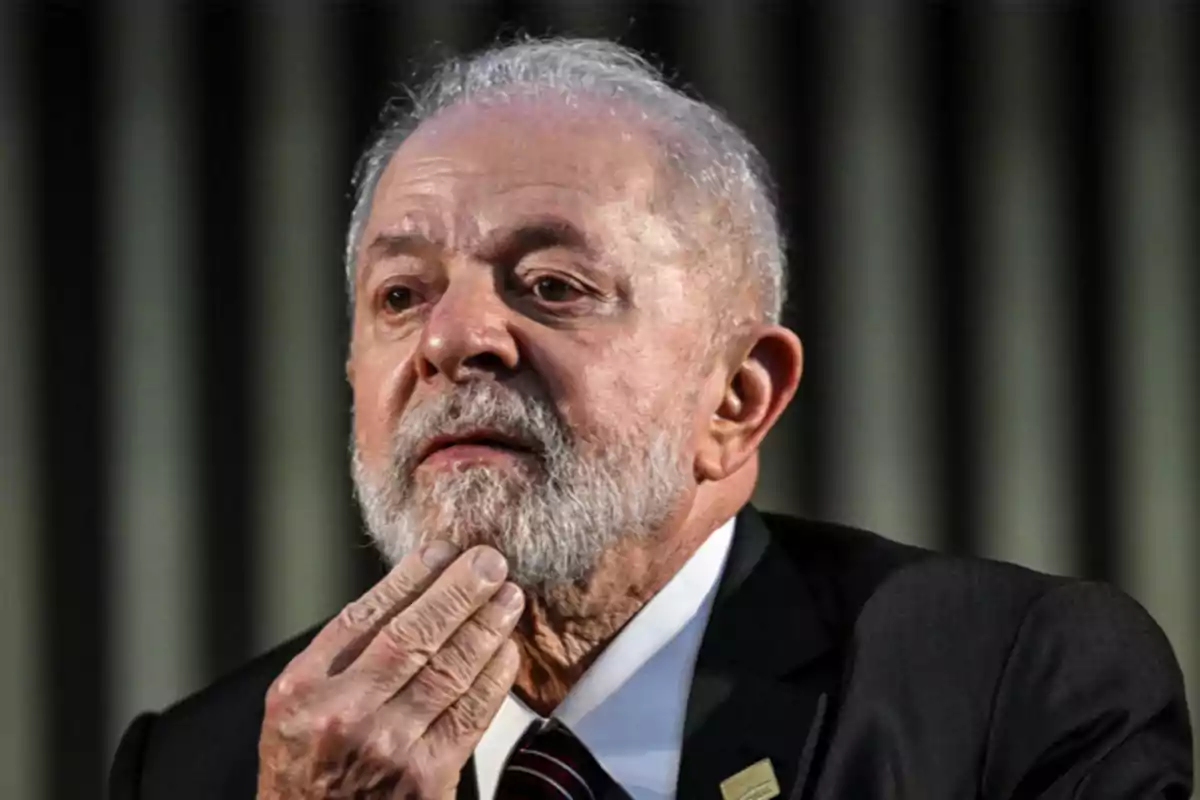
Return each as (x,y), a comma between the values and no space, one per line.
(553,520)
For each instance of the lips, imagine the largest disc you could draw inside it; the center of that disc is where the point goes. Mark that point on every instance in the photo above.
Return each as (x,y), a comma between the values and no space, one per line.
(479,438)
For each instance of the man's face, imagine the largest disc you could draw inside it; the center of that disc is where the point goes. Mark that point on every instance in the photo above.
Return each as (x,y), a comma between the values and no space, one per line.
(525,363)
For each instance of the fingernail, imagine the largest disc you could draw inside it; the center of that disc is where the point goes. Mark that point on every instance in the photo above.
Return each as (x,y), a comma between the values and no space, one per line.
(488,564)
(438,553)
(509,596)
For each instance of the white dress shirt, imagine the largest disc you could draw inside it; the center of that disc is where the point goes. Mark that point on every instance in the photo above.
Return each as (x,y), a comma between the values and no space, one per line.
(628,709)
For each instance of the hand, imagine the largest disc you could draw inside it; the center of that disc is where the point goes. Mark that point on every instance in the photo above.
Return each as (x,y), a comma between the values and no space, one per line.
(391,697)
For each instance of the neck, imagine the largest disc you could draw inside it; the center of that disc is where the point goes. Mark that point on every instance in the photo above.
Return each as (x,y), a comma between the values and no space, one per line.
(565,628)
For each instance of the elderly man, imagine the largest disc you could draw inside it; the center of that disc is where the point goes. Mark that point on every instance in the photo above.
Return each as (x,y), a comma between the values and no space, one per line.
(566,282)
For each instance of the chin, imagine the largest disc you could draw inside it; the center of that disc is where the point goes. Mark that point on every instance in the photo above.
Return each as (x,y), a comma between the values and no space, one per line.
(465,521)
(465,538)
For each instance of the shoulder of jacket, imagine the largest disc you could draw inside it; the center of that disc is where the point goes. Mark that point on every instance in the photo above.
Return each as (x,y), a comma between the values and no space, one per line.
(959,602)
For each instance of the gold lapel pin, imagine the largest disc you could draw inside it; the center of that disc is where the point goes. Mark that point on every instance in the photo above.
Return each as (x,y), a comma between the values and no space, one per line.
(755,782)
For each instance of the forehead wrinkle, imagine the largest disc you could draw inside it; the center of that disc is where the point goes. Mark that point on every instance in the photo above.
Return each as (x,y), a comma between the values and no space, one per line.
(419,220)
(621,193)
(419,177)
(465,211)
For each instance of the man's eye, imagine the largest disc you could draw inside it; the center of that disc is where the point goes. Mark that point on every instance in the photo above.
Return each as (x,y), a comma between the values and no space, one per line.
(554,290)
(398,299)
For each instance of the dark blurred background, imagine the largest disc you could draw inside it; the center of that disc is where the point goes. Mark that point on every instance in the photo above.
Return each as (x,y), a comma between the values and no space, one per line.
(994,241)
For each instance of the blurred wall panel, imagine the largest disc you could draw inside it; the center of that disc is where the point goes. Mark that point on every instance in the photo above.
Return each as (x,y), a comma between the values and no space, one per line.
(21,688)
(1156,195)
(585,17)
(71,318)
(303,566)
(425,30)
(723,51)
(220,83)
(152,425)
(1025,395)
(884,441)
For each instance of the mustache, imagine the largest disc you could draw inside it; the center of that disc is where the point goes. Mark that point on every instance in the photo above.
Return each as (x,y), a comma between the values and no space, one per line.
(523,416)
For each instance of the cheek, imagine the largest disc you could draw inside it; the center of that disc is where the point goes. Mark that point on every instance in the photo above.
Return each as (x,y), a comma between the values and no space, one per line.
(380,391)
(370,428)
(636,390)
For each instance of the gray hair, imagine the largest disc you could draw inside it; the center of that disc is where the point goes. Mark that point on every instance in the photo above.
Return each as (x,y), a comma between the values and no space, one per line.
(705,148)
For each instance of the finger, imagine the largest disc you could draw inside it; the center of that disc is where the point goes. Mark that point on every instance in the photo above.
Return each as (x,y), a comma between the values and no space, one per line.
(347,634)
(452,671)
(454,735)
(436,758)
(410,639)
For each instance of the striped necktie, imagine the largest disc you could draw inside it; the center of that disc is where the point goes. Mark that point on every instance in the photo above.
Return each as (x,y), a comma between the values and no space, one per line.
(549,763)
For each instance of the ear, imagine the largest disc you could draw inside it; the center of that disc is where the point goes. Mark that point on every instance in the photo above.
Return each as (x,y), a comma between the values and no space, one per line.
(760,384)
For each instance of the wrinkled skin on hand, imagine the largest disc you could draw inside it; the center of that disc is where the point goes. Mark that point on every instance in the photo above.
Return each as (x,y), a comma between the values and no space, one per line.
(392,696)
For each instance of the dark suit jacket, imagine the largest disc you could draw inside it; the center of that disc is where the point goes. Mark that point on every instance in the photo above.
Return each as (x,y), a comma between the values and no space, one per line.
(860,667)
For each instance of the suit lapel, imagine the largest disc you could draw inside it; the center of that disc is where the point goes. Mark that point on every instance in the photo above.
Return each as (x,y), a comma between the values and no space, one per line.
(760,687)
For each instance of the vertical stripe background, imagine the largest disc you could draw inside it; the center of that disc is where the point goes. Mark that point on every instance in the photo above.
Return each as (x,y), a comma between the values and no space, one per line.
(881,444)
(1156,173)
(992,220)
(1024,400)
(70,314)
(296,334)
(22,684)
(150,383)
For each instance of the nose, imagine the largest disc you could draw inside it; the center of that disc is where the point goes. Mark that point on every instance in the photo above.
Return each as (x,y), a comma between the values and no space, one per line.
(467,333)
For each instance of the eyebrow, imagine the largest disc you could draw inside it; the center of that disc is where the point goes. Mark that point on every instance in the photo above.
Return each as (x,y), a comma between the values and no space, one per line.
(511,242)
(508,243)
(408,242)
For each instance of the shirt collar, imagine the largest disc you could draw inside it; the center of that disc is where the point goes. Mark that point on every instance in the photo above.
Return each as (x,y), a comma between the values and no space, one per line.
(686,594)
